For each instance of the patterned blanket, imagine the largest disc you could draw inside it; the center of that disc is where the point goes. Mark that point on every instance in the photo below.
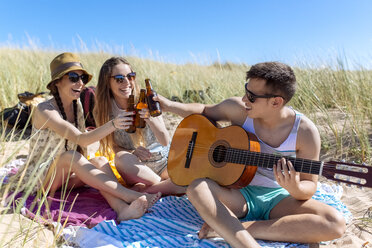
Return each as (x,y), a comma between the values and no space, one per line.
(174,222)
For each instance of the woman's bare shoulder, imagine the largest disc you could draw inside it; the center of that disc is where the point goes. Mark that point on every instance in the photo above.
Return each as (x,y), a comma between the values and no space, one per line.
(43,112)
(47,105)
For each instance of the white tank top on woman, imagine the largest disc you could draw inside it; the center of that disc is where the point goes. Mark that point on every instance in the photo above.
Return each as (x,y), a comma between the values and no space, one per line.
(265,176)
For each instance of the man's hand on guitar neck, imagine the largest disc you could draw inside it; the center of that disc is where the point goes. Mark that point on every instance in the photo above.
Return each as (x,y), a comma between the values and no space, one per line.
(287,177)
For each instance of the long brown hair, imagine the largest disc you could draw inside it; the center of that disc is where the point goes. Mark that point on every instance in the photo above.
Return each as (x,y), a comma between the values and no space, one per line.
(103,107)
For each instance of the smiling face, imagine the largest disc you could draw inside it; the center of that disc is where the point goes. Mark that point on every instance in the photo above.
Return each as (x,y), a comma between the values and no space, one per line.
(69,89)
(121,89)
(260,106)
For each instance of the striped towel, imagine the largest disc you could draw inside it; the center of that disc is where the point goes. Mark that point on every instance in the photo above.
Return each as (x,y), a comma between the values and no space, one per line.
(173,222)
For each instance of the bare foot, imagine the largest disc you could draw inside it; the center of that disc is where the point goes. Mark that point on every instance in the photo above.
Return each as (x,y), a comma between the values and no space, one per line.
(207,232)
(135,210)
(153,198)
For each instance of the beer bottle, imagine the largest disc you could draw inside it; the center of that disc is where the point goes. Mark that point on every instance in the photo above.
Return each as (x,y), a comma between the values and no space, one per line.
(131,108)
(141,123)
(154,106)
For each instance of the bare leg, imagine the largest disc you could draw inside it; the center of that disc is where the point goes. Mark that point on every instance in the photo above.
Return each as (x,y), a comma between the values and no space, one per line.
(164,175)
(124,211)
(206,197)
(133,170)
(166,187)
(94,177)
(299,221)
(207,232)
(290,220)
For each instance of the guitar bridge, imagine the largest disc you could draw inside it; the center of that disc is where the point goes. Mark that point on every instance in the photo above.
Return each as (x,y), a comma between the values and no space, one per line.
(190,149)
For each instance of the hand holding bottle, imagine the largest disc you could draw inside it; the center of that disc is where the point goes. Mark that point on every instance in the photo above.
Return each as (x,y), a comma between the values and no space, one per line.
(165,103)
(123,120)
(154,106)
(144,113)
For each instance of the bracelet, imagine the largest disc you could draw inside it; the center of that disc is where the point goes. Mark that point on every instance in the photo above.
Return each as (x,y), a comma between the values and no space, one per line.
(113,124)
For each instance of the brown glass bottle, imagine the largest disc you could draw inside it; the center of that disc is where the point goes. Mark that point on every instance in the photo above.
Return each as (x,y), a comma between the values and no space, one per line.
(141,123)
(131,108)
(154,106)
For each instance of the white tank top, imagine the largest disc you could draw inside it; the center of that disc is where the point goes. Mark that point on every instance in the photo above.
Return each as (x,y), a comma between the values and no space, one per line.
(265,176)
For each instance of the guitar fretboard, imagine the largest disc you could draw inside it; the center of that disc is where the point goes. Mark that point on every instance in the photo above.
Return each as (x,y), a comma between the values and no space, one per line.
(265,160)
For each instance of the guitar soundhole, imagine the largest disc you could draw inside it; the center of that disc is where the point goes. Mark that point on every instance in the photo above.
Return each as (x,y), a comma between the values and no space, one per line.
(219,154)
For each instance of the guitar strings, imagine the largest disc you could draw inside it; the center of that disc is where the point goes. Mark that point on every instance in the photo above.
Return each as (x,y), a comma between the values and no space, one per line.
(235,155)
(262,158)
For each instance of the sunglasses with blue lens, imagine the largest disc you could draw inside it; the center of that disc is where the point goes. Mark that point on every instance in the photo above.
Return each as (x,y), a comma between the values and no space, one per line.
(120,78)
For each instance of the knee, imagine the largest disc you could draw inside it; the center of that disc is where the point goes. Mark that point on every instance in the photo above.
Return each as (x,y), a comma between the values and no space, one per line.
(196,189)
(99,162)
(336,223)
(70,157)
(124,160)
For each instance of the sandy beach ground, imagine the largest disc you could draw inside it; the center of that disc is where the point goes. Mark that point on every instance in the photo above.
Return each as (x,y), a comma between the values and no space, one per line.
(18,231)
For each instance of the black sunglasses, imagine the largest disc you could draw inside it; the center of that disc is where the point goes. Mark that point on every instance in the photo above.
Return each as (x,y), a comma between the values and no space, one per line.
(120,78)
(74,77)
(252,97)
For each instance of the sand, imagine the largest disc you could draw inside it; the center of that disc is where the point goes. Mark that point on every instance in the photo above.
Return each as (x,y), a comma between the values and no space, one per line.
(18,231)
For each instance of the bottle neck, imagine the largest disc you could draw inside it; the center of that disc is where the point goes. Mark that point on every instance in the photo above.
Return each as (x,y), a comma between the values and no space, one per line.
(148,85)
(131,102)
(142,97)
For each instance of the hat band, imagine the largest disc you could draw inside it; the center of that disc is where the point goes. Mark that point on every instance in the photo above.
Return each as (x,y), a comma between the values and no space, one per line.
(65,66)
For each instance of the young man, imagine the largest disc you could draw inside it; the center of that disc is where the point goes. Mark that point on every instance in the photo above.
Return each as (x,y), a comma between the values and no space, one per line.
(277,204)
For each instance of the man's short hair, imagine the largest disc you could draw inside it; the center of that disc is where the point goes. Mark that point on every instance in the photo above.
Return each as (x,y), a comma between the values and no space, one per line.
(279,77)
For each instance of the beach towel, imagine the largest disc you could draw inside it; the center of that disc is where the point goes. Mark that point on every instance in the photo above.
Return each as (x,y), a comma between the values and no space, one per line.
(83,206)
(174,222)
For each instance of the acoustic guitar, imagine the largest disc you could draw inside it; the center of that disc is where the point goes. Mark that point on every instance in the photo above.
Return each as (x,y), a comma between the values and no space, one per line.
(230,156)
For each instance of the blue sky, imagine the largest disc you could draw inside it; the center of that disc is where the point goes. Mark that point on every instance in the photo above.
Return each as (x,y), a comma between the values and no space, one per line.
(202,31)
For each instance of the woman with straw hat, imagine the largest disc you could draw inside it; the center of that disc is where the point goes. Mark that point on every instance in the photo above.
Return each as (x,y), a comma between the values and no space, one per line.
(56,158)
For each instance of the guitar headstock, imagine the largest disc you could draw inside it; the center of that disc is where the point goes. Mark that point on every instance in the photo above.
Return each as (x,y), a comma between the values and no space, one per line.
(349,173)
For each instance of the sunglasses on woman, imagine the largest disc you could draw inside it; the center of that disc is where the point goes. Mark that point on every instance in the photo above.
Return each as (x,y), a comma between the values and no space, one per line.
(120,78)
(74,77)
(252,97)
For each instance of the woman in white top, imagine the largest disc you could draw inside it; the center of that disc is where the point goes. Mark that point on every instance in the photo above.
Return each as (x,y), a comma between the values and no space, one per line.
(133,159)
(115,83)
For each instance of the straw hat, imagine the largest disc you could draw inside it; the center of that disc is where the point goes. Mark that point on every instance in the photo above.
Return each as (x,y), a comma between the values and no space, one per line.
(63,64)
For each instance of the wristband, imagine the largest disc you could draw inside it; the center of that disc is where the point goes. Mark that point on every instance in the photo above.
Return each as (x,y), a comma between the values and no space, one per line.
(113,124)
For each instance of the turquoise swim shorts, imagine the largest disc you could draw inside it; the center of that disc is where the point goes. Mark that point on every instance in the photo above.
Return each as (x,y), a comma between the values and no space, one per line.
(261,200)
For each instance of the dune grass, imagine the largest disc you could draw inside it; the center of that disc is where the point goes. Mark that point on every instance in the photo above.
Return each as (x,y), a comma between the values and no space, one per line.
(338,100)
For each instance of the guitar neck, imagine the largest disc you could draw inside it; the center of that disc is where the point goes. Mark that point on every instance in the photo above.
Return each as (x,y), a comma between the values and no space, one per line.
(265,160)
